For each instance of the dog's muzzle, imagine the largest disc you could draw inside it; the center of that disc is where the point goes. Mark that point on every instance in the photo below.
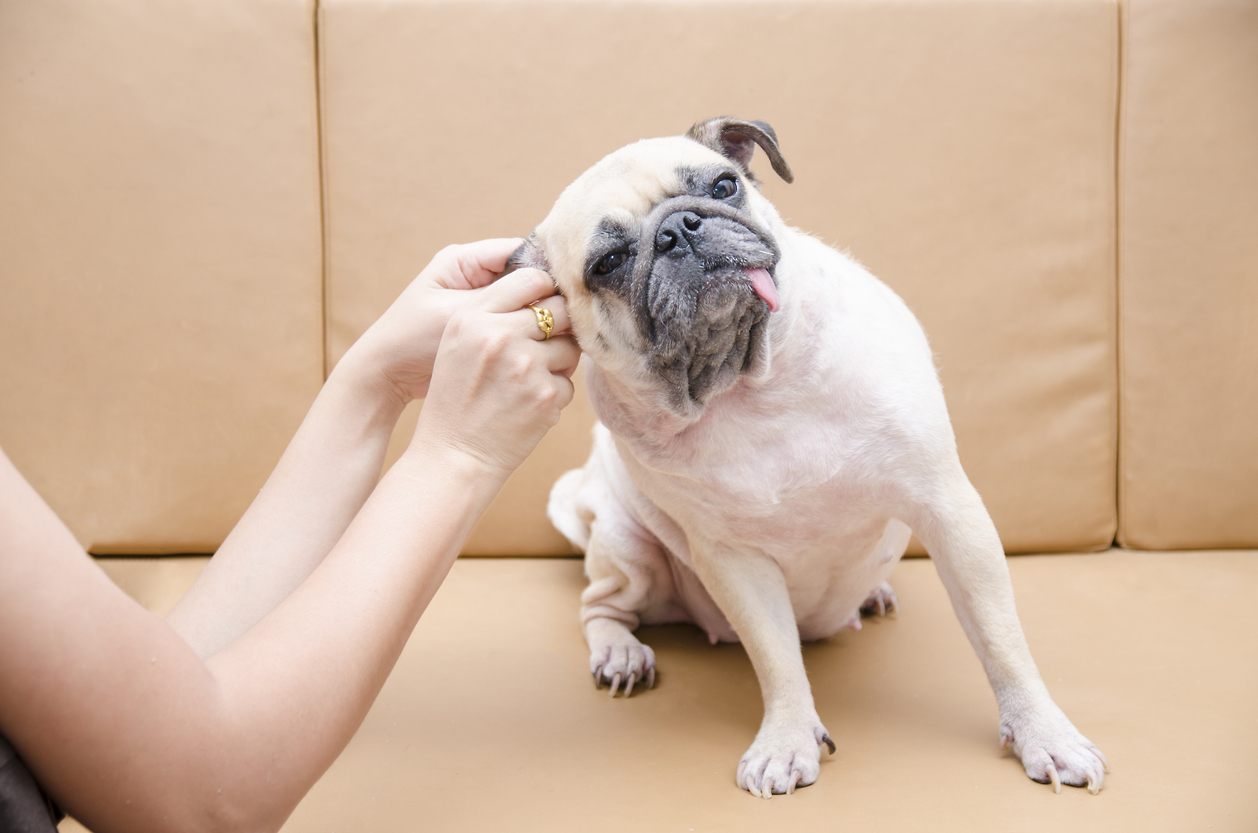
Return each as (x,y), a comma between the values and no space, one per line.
(703,293)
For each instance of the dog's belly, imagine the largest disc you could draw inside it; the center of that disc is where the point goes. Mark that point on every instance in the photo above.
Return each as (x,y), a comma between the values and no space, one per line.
(832,572)
(831,557)
(829,583)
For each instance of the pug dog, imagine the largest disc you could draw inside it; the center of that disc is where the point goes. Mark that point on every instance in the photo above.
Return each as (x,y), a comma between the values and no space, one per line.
(771,432)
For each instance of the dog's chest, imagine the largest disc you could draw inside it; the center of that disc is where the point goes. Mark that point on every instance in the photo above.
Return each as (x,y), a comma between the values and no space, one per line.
(780,471)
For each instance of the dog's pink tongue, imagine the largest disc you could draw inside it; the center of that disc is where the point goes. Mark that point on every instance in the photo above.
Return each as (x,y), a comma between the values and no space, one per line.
(762,284)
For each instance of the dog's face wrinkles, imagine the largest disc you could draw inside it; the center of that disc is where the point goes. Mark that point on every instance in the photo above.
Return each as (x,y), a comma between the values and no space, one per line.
(665,254)
(681,274)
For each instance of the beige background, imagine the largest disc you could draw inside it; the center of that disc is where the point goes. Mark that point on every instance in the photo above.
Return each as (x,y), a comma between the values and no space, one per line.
(964,151)
(160,305)
(1189,274)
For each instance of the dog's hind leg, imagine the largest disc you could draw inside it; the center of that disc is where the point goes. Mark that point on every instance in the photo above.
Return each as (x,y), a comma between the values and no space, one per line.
(630,576)
(629,579)
(889,549)
(880,602)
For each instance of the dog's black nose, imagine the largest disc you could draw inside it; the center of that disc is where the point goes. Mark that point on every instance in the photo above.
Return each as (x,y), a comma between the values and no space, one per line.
(673,231)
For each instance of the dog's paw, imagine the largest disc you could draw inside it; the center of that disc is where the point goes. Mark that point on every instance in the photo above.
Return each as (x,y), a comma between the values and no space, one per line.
(783,758)
(1053,751)
(880,602)
(618,657)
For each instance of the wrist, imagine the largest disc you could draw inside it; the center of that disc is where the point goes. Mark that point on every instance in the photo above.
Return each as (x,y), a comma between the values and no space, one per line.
(456,471)
(436,453)
(362,386)
(398,363)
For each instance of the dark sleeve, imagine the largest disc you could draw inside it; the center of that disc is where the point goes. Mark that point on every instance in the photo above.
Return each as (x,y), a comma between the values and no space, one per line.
(23,806)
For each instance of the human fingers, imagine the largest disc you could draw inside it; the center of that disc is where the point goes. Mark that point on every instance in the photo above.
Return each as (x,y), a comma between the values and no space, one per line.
(493,394)
(564,391)
(472,265)
(562,355)
(550,317)
(511,292)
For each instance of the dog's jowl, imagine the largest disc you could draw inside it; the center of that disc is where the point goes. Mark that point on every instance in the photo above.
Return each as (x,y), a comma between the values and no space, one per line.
(772,429)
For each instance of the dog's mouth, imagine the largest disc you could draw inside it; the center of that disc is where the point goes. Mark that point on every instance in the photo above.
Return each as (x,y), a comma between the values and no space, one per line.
(704,292)
(762,284)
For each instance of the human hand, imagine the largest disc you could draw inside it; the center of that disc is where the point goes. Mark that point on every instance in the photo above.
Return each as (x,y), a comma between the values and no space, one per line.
(398,350)
(498,384)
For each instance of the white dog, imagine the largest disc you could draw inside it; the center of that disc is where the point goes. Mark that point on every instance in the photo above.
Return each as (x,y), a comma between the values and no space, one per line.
(772,429)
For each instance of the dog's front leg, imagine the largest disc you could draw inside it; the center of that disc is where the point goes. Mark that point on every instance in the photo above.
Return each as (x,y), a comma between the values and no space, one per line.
(750,590)
(963,543)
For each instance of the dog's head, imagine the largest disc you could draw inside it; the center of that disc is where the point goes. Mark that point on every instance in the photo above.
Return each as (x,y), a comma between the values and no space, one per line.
(666,254)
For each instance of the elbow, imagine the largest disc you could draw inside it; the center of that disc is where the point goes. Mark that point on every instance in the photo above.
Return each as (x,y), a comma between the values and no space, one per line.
(231,808)
(237,809)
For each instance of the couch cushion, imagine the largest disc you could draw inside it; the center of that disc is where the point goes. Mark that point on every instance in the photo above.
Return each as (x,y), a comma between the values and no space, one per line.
(160,283)
(1189,274)
(490,721)
(963,150)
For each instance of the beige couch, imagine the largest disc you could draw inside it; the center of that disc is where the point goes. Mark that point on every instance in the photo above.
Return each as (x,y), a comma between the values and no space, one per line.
(203,204)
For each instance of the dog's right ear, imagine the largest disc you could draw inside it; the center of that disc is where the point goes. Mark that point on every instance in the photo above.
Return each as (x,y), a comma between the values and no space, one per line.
(528,256)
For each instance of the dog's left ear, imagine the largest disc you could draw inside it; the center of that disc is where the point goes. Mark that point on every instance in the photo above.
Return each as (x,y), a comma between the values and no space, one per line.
(737,139)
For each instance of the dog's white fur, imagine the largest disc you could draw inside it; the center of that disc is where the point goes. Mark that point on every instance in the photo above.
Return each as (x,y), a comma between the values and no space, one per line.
(776,510)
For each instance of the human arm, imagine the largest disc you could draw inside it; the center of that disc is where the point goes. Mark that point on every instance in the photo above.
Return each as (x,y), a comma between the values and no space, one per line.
(130,730)
(335,458)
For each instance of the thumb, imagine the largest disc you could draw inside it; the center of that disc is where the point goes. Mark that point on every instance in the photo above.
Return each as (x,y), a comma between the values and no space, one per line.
(472,265)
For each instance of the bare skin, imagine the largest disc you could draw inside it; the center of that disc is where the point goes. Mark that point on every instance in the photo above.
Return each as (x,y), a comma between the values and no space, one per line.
(222,716)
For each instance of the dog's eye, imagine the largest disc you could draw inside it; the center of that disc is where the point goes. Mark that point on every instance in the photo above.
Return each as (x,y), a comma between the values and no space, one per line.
(725,187)
(610,262)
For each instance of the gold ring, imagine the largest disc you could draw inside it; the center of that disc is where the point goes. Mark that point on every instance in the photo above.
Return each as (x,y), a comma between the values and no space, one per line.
(545,321)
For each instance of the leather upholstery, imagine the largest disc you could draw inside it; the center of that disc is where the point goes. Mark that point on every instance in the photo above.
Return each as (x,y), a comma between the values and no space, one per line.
(963,150)
(161,274)
(176,224)
(1188,277)
(490,722)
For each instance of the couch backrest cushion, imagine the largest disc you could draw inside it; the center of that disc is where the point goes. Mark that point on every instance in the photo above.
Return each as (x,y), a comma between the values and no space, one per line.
(1188,277)
(160,276)
(962,150)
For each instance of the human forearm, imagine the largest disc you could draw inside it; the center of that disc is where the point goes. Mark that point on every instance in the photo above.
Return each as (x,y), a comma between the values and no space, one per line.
(300,683)
(304,677)
(132,732)
(320,483)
